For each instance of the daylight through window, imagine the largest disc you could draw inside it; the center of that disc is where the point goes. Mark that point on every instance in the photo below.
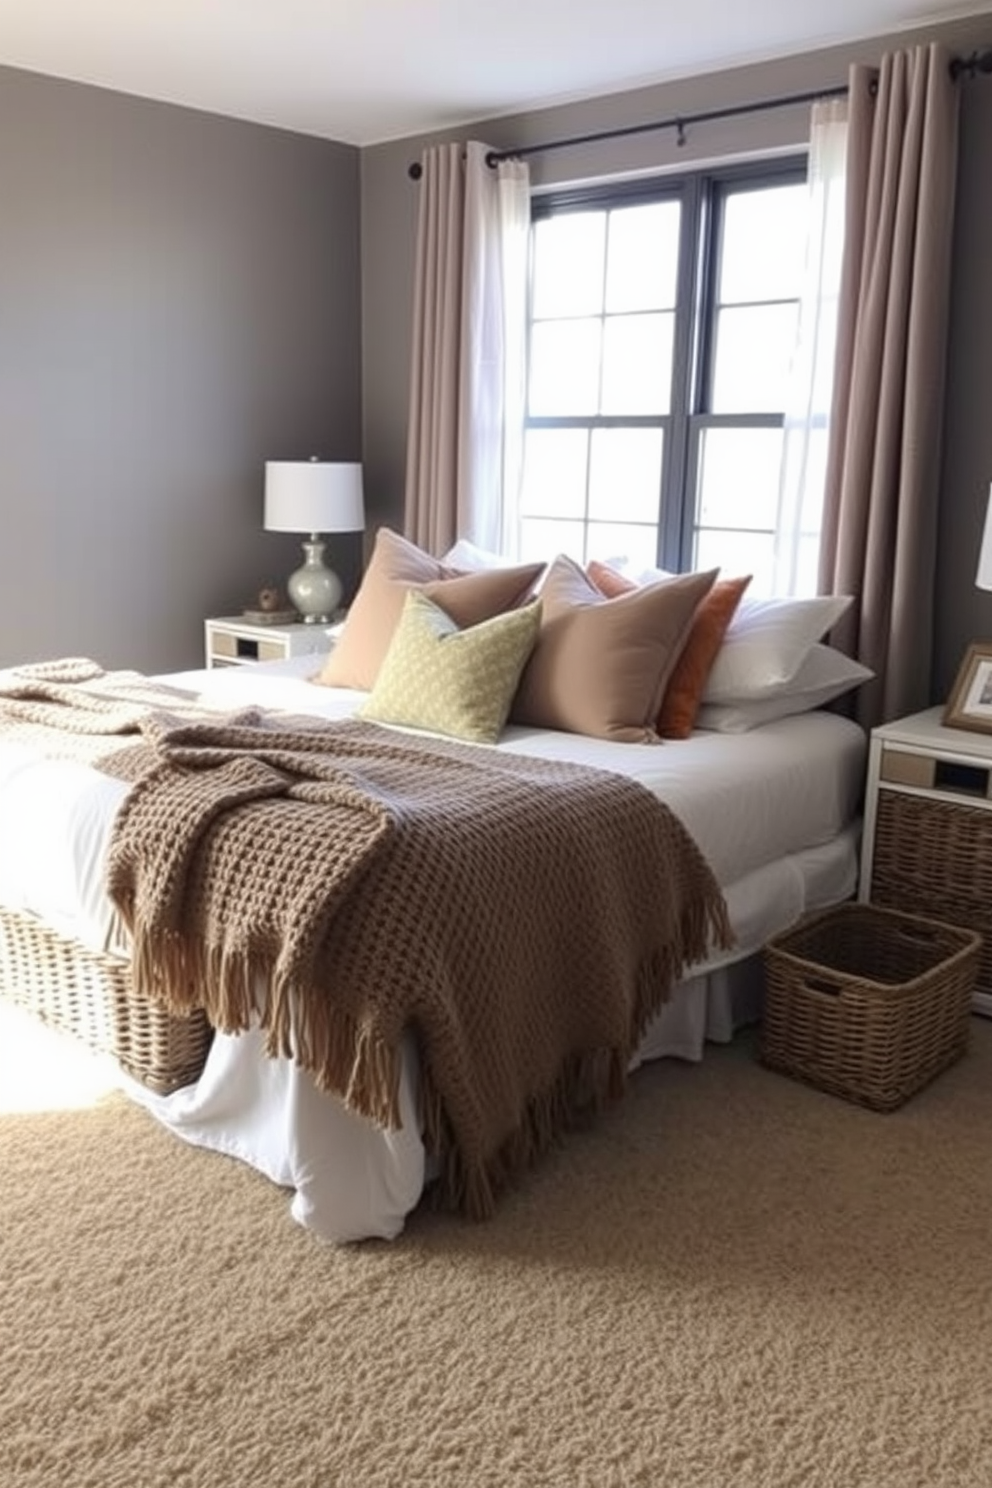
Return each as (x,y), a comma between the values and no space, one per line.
(663,324)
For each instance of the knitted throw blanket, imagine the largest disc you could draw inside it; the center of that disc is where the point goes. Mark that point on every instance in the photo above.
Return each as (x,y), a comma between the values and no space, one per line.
(73,709)
(342,883)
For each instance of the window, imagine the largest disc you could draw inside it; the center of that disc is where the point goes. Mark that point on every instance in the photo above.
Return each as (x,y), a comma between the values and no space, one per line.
(662,325)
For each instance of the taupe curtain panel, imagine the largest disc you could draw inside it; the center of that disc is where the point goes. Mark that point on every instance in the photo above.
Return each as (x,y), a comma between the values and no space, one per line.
(883,467)
(431,506)
(468,358)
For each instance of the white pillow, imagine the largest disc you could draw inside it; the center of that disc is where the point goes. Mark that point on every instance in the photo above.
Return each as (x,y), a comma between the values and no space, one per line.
(471,559)
(767,642)
(824,675)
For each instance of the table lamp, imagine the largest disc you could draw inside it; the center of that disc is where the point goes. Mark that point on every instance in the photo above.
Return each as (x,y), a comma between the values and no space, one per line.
(314,496)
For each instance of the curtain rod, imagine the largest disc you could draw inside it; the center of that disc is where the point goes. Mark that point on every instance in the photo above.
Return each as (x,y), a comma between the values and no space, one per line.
(678,122)
(976,62)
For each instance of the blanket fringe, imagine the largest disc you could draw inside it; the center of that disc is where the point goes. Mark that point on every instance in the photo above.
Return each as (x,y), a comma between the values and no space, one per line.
(588,1082)
(345,1060)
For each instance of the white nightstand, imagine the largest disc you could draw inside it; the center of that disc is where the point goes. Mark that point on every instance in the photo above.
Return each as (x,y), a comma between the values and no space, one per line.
(232,641)
(927,844)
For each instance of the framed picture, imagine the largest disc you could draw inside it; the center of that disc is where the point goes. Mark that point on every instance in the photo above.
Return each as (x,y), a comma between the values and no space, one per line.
(970,703)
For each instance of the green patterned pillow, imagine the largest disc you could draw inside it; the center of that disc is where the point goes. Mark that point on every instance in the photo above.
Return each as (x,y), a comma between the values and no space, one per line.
(450,681)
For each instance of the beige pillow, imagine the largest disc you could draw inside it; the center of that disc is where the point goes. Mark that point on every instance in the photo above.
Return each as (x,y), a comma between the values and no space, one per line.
(600,666)
(451,681)
(395,567)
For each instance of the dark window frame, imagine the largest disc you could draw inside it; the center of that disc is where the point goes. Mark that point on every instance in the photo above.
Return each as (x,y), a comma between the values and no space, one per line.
(703,193)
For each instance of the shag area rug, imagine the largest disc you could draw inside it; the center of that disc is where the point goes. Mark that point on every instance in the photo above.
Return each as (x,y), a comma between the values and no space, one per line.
(731,1281)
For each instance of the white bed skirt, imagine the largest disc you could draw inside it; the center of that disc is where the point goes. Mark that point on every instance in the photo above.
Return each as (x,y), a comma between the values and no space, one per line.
(351,1181)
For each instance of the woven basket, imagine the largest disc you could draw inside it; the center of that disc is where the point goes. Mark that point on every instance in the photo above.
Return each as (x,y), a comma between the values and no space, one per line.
(935,858)
(868,1003)
(87,994)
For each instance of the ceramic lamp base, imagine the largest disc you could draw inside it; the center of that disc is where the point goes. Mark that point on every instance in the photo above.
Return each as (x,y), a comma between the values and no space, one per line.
(315,590)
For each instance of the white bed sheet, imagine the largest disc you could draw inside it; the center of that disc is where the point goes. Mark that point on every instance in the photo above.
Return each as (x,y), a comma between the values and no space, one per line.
(774,811)
(747,799)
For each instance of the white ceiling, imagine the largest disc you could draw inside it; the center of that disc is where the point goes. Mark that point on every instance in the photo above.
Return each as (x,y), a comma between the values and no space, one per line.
(364,71)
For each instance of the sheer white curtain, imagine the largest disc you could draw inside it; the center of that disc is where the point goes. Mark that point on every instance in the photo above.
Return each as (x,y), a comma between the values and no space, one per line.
(513,180)
(494,343)
(468,382)
(807,415)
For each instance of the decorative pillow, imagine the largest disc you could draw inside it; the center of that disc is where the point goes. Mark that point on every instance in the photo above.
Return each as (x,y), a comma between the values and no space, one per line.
(451,681)
(767,642)
(824,675)
(685,686)
(466,557)
(600,666)
(395,567)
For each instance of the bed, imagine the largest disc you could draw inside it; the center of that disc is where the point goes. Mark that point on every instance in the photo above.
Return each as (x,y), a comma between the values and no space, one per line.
(774,810)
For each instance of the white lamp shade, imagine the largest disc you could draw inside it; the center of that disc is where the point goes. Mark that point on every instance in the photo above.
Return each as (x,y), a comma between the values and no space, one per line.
(313,496)
(983,578)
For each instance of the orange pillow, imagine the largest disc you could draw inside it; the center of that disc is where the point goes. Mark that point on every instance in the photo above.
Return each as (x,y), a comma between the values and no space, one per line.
(396,566)
(600,667)
(684,692)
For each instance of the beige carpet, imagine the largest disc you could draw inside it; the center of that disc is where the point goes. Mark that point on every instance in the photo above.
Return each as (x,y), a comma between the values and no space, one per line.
(732,1281)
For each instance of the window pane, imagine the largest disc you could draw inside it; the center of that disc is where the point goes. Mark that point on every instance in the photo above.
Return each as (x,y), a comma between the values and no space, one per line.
(554,480)
(569,251)
(753,352)
(805,470)
(564,367)
(625,475)
(541,541)
(738,553)
(764,245)
(807,565)
(637,364)
(738,481)
(643,257)
(613,541)
(606,329)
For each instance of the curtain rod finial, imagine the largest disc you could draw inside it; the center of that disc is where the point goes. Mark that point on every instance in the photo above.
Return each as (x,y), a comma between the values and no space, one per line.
(977,62)
(415,171)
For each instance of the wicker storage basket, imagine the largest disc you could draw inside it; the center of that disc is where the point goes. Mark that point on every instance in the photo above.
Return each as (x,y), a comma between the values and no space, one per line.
(935,858)
(868,1003)
(90,995)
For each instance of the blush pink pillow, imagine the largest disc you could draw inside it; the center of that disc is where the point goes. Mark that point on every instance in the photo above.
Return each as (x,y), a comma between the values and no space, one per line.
(395,567)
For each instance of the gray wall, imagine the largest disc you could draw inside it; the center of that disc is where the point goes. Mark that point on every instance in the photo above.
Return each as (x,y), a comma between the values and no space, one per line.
(389,201)
(179,301)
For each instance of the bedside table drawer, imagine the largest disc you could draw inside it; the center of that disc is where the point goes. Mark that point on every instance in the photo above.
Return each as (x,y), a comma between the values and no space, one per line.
(246,648)
(899,768)
(223,644)
(931,772)
(234,641)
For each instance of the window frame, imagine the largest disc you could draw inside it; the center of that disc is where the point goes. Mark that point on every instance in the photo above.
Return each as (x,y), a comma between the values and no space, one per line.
(703,193)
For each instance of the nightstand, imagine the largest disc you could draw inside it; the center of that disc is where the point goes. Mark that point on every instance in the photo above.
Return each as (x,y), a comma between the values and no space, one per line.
(927,844)
(232,641)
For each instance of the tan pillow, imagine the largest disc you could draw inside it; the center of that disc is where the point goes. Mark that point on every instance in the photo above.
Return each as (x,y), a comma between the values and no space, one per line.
(601,665)
(395,567)
(451,681)
(709,626)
